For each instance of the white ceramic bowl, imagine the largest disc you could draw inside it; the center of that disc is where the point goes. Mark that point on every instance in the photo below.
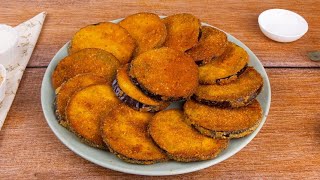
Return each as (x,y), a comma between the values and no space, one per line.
(8,45)
(282,25)
(3,76)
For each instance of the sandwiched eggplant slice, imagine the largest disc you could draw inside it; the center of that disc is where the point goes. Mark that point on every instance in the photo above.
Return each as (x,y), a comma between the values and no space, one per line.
(69,87)
(107,36)
(226,68)
(97,61)
(124,130)
(212,44)
(84,110)
(235,94)
(223,123)
(180,141)
(165,73)
(147,29)
(131,95)
(183,31)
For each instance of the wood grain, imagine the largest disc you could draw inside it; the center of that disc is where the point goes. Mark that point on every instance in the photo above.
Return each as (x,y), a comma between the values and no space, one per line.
(65,17)
(287,146)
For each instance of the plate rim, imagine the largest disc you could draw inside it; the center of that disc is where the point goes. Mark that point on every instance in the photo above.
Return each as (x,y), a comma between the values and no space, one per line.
(209,163)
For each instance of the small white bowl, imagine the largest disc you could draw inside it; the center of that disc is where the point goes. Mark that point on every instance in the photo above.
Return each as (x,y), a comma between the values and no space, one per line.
(282,25)
(8,45)
(3,77)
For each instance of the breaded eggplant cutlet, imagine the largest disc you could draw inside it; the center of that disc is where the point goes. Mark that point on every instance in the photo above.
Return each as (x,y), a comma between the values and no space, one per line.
(180,141)
(223,122)
(147,29)
(84,110)
(131,95)
(165,74)
(97,61)
(66,90)
(124,130)
(107,36)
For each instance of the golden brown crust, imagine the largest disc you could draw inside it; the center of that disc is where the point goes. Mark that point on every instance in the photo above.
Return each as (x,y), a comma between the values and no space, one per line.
(212,43)
(95,61)
(132,95)
(180,141)
(124,131)
(85,108)
(168,73)
(225,68)
(69,87)
(183,31)
(147,29)
(223,122)
(107,36)
(236,94)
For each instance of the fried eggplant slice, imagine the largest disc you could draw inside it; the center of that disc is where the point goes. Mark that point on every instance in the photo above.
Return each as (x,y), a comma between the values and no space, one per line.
(223,123)
(212,44)
(69,87)
(147,29)
(95,61)
(235,94)
(84,110)
(107,36)
(180,141)
(226,68)
(165,74)
(183,31)
(131,95)
(124,130)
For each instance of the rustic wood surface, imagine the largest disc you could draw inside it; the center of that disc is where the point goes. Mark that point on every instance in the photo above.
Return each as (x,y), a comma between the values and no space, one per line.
(288,146)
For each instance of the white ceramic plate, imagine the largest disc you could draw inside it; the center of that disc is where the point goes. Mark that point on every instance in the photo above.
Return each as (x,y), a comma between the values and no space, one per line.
(110,161)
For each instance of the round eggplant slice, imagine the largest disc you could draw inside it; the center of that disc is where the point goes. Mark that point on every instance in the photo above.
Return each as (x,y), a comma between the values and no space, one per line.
(226,68)
(223,122)
(107,36)
(69,87)
(147,29)
(131,95)
(183,31)
(95,61)
(212,44)
(235,94)
(124,131)
(180,141)
(84,110)
(165,74)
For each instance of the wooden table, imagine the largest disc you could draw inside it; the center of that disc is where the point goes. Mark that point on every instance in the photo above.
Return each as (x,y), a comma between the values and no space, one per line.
(288,145)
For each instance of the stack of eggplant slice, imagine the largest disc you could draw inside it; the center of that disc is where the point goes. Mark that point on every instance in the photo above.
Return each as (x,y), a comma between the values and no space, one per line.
(114,88)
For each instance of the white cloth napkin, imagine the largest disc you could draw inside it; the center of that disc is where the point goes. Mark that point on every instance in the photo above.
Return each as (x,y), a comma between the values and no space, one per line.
(29,32)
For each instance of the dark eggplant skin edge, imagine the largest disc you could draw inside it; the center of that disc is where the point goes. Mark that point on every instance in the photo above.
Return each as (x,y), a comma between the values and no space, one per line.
(240,102)
(150,94)
(136,105)
(227,79)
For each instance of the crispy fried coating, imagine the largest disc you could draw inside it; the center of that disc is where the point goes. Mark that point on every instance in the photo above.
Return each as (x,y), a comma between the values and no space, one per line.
(132,95)
(107,36)
(225,68)
(95,61)
(181,141)
(235,94)
(147,29)
(124,131)
(212,43)
(84,110)
(223,122)
(69,87)
(183,31)
(165,73)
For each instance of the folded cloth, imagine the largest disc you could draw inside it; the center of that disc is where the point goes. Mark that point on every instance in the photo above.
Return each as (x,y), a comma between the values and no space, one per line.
(29,32)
